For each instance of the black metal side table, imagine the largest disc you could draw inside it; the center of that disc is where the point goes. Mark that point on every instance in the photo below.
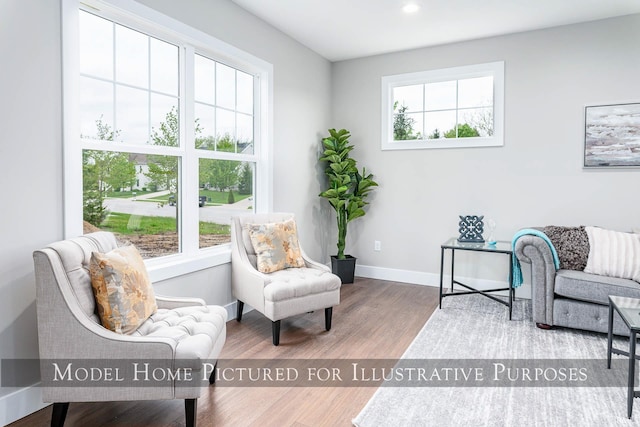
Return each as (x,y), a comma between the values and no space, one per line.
(501,247)
(629,311)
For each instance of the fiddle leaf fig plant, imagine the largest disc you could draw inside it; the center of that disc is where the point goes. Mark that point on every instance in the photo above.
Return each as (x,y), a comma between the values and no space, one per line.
(348,187)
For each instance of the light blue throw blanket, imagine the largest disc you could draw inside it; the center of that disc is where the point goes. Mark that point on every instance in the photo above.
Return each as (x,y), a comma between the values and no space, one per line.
(516,280)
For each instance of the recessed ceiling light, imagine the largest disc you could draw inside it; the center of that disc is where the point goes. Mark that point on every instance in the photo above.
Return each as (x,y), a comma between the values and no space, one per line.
(410,8)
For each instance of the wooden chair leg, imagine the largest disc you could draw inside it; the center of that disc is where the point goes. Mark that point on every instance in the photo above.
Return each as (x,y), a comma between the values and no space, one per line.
(239,312)
(190,409)
(59,414)
(212,377)
(327,318)
(275,330)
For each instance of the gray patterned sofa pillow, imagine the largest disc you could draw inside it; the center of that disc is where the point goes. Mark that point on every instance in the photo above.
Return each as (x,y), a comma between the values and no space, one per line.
(572,245)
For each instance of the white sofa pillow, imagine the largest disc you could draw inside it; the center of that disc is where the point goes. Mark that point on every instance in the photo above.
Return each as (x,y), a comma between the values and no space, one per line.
(613,253)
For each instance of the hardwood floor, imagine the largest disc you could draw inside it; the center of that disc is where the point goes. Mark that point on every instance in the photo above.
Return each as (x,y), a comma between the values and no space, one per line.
(375,320)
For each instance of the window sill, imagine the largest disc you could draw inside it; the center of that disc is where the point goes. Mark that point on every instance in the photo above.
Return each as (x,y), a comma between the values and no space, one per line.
(444,143)
(178,265)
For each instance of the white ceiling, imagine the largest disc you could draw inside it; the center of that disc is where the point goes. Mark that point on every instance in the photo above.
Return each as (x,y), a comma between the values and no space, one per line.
(345,29)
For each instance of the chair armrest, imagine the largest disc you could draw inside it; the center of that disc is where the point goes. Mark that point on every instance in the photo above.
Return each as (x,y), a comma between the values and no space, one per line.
(66,332)
(313,264)
(170,303)
(535,251)
(247,283)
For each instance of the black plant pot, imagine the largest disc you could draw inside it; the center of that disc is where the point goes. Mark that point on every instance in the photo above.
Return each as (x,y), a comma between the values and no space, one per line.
(343,268)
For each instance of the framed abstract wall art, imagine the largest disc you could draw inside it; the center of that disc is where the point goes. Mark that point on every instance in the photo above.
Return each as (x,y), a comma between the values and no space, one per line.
(612,136)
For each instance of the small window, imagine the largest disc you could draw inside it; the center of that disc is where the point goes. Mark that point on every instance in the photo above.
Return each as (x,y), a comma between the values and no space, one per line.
(452,107)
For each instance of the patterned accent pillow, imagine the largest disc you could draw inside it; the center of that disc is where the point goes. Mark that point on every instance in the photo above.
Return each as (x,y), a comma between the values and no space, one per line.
(572,245)
(276,245)
(124,294)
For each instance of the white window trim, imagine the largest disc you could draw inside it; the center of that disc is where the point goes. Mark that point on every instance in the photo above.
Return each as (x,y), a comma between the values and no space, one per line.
(155,23)
(495,69)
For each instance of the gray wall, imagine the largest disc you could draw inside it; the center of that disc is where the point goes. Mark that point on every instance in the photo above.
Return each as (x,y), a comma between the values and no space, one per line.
(535,179)
(30,162)
(31,147)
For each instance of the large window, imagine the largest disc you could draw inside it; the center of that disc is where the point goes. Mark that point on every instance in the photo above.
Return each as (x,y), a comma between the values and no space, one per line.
(454,107)
(165,131)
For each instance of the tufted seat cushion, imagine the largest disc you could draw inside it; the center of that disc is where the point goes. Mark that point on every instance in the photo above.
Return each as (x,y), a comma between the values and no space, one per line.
(194,329)
(299,282)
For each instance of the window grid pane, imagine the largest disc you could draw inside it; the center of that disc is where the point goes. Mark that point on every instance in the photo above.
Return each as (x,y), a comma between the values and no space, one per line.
(132,114)
(225,189)
(135,99)
(96,51)
(224,107)
(225,86)
(164,67)
(476,92)
(133,196)
(440,96)
(96,105)
(132,57)
(130,69)
(446,109)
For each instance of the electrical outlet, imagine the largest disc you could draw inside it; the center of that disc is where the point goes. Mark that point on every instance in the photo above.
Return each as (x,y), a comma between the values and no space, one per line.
(377,246)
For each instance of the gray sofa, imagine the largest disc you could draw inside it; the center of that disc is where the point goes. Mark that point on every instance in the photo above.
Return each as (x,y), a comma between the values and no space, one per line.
(569,298)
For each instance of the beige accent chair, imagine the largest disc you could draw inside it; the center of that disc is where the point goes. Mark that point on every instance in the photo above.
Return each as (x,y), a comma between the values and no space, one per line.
(283,293)
(182,335)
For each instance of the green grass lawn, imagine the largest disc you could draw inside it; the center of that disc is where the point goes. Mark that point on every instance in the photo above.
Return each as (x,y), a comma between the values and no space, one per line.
(221,197)
(122,223)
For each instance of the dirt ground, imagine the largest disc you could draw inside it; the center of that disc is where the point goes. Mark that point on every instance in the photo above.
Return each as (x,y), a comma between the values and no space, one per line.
(155,245)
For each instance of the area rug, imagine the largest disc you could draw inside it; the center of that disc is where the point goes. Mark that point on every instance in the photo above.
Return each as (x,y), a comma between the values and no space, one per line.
(473,329)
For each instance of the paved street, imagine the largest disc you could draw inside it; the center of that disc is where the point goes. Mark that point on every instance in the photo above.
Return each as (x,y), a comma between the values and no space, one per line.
(218,214)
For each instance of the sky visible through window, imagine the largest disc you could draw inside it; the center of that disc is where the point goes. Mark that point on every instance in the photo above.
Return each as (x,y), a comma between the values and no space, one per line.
(223,103)
(130,81)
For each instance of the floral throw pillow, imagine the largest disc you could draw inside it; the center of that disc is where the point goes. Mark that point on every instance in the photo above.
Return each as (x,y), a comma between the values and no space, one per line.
(276,245)
(124,294)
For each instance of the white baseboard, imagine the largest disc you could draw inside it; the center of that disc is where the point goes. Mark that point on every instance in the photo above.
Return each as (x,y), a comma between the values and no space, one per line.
(433,279)
(21,403)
